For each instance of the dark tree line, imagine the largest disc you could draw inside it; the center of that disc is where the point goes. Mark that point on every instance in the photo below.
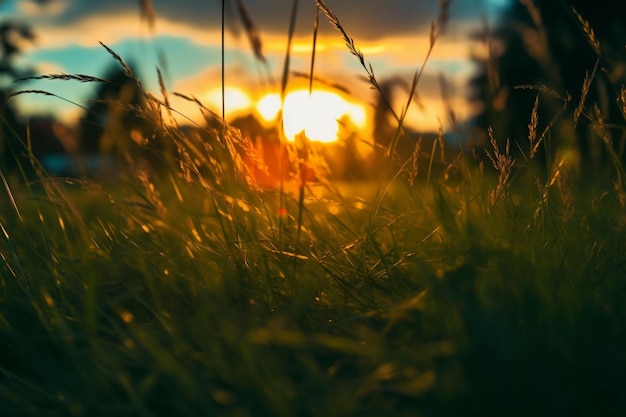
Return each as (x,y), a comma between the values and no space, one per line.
(117,124)
(573,54)
(119,121)
(12,36)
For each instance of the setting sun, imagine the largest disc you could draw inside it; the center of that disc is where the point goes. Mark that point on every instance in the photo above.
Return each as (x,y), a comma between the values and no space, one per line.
(315,114)
(235,99)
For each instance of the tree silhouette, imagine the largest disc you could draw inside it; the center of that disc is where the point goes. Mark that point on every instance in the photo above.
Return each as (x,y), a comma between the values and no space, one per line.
(112,115)
(12,36)
(556,46)
(118,122)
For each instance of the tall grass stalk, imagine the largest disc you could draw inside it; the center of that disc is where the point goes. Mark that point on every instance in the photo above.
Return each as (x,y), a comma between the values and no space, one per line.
(305,145)
(223,60)
(283,92)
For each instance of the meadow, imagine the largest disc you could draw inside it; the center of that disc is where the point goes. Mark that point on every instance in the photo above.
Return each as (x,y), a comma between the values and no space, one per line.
(444,286)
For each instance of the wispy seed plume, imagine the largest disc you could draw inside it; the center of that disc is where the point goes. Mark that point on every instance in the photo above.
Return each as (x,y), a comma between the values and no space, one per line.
(147,12)
(251,30)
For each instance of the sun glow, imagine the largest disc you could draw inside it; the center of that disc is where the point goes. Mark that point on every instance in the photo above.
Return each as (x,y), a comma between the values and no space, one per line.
(316,114)
(235,99)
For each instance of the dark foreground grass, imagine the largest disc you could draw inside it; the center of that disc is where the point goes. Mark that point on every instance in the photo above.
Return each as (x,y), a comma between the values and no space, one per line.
(170,298)
(193,293)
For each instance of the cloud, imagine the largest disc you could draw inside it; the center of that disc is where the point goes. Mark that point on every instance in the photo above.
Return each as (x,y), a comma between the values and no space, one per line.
(363,19)
(392,34)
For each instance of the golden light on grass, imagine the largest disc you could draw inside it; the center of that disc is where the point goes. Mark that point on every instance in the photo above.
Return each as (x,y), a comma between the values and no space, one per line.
(127,316)
(316,114)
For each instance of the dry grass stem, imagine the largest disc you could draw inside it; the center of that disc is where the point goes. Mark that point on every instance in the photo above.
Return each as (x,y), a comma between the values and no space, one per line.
(11,198)
(440,141)
(330,84)
(503,163)
(66,77)
(584,92)
(436,29)
(414,161)
(534,13)
(369,70)
(545,190)
(544,89)
(589,32)
(444,14)
(532,129)
(147,12)
(127,70)
(166,100)
(251,30)
(44,93)
(622,101)
(334,20)
(551,92)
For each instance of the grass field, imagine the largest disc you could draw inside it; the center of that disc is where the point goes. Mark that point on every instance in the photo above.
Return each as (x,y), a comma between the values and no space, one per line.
(194,293)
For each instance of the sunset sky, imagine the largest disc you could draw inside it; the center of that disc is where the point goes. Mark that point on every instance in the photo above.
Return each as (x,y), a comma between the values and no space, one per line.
(392,34)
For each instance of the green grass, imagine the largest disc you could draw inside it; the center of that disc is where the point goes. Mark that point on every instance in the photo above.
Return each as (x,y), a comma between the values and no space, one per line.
(140,300)
(194,293)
